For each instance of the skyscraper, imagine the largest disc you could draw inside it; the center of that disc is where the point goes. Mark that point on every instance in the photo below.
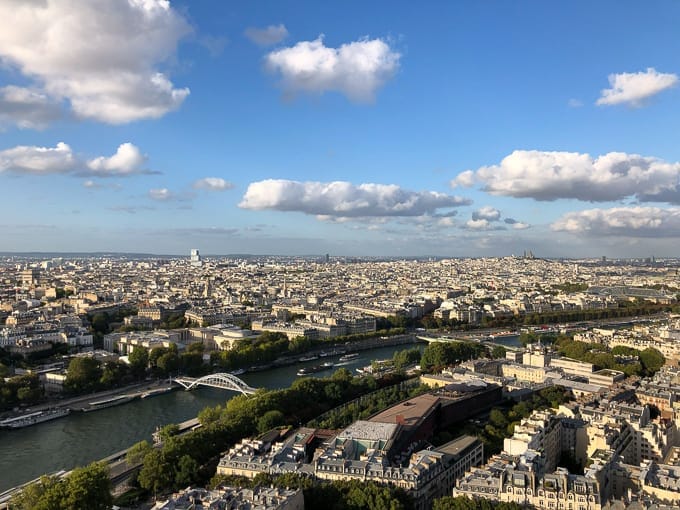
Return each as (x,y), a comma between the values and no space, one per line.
(195,258)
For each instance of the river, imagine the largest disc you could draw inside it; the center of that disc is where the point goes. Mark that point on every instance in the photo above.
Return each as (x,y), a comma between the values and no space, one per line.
(81,438)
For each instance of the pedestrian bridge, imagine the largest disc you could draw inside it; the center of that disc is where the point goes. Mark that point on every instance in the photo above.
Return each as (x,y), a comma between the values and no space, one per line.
(222,381)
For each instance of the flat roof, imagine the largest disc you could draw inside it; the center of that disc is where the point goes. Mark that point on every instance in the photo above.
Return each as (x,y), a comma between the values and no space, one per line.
(373,431)
(411,411)
(458,445)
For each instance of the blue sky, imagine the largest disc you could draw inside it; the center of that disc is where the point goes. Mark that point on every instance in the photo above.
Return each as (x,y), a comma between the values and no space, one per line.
(350,128)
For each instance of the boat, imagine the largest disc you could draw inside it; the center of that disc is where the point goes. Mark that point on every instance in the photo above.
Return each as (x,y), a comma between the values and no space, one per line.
(238,371)
(308,358)
(313,370)
(109,402)
(349,357)
(34,418)
(156,392)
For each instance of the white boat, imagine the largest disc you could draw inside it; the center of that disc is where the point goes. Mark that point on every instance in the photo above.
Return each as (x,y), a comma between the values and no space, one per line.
(34,418)
(349,357)
(109,402)
(308,358)
(238,371)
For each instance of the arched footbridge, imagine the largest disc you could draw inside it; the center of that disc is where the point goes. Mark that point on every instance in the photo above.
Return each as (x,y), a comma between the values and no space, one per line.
(222,381)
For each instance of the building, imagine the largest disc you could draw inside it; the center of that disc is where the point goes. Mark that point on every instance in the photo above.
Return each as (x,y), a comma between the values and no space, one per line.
(234,498)
(195,259)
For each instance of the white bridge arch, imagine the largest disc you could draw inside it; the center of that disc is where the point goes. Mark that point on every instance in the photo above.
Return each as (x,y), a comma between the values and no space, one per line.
(222,381)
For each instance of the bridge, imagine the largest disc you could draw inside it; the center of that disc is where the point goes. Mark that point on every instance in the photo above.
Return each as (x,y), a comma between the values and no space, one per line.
(222,381)
(486,340)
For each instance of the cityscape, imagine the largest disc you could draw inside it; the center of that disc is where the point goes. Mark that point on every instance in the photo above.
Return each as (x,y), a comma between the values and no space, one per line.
(261,255)
(516,380)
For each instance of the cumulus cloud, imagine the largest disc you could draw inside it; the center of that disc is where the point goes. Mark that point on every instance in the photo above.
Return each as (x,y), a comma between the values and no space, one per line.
(345,200)
(39,160)
(267,36)
(357,69)
(633,88)
(26,108)
(486,213)
(212,184)
(478,224)
(127,160)
(555,175)
(622,221)
(102,57)
(61,159)
(482,224)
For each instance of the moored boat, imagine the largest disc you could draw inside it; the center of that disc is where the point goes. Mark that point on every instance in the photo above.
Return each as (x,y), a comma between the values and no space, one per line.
(349,357)
(109,402)
(34,418)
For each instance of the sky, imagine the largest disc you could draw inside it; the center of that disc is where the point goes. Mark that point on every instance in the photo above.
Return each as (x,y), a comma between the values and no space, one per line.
(387,128)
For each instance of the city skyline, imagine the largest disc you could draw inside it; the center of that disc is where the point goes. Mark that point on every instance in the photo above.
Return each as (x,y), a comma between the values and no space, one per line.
(449,130)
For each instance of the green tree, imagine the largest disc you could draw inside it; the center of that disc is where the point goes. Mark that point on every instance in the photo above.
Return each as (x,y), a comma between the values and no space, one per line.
(85,488)
(652,360)
(270,420)
(88,488)
(137,452)
(29,498)
(139,361)
(156,473)
(187,471)
(100,323)
(168,431)
(168,364)
(498,352)
(406,357)
(83,375)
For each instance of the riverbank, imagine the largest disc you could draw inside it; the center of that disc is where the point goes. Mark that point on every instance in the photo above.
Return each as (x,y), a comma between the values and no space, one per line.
(135,391)
(81,438)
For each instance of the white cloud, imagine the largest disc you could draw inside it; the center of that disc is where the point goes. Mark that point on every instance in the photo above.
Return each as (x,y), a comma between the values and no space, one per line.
(101,56)
(357,69)
(518,225)
(61,160)
(478,224)
(486,213)
(267,36)
(575,103)
(622,221)
(556,175)
(345,200)
(161,194)
(39,160)
(26,108)
(166,195)
(212,184)
(633,88)
(465,179)
(127,160)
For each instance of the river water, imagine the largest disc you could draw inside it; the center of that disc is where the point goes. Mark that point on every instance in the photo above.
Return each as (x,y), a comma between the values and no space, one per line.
(81,438)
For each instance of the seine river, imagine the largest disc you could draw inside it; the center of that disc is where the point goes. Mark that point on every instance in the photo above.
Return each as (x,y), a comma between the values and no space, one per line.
(81,438)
